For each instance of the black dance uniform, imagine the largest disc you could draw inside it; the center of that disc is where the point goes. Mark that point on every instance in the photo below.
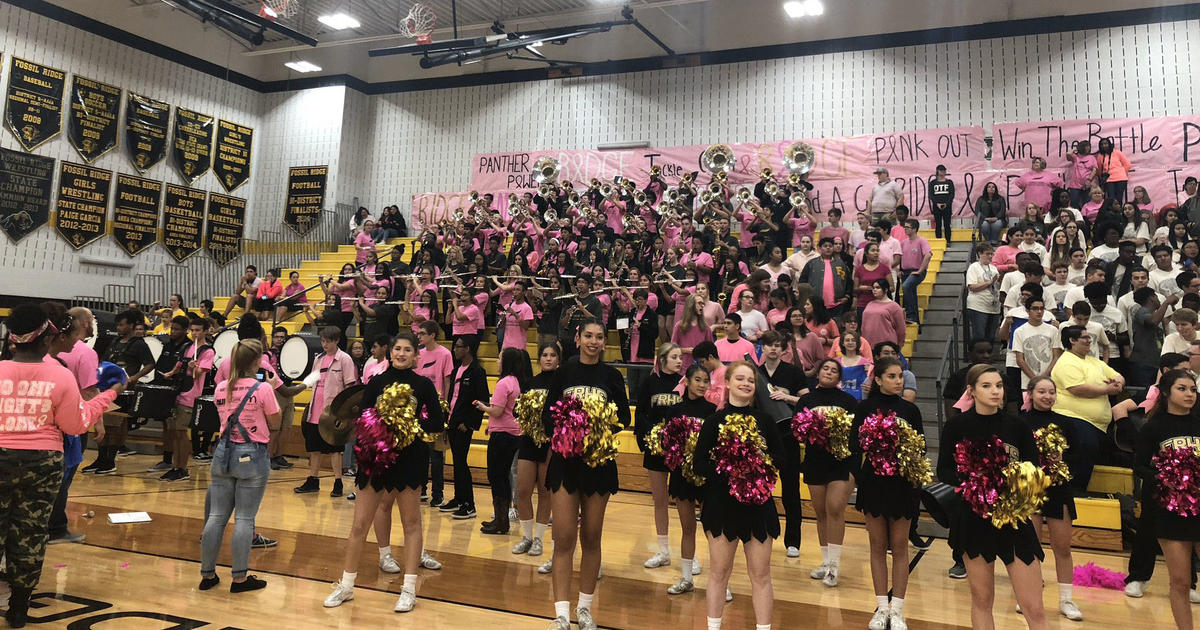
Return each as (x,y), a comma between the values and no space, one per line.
(655,396)
(888,497)
(1164,430)
(529,450)
(1058,497)
(970,533)
(819,466)
(678,486)
(574,475)
(722,514)
(411,466)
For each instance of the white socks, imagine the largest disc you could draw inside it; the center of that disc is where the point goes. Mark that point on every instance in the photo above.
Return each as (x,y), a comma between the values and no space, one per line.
(714,623)
(585,600)
(762,626)
(527,528)
(348,579)
(898,605)
(562,609)
(881,602)
(835,555)
(824,554)
(664,544)
(539,530)
(1064,592)
(410,583)
(686,569)
(385,552)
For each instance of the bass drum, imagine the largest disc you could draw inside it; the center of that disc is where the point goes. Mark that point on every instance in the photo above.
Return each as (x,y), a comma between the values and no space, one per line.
(155,343)
(297,356)
(223,345)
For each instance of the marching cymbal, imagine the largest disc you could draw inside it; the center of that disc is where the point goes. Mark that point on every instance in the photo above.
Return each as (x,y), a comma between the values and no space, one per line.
(337,421)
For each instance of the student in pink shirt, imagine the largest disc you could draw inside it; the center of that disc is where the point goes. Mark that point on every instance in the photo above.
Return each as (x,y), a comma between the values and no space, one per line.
(518,315)
(1112,168)
(698,260)
(195,364)
(733,347)
(267,293)
(378,363)
(504,434)
(1081,174)
(1037,184)
(436,363)
(691,330)
(835,229)
(39,402)
(883,319)
(706,356)
(464,316)
(240,466)
(333,372)
(363,243)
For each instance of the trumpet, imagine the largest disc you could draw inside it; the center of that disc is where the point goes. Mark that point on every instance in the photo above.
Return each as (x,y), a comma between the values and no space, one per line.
(568,185)
(544,190)
(474,197)
(655,171)
(573,199)
(640,199)
(766,173)
(513,199)
(794,181)
(744,195)
(722,176)
(797,199)
(594,184)
(607,190)
(627,183)
(772,188)
(715,188)
(671,196)
(687,178)
(551,216)
(707,196)
(457,215)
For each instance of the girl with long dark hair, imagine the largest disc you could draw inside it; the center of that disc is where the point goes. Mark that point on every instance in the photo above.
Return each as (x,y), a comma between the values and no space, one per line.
(682,486)
(504,434)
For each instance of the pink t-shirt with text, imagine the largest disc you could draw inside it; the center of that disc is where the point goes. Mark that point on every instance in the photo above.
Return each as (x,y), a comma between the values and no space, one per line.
(514,336)
(254,416)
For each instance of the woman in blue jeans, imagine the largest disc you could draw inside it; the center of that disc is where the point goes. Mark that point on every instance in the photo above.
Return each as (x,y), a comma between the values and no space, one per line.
(240,466)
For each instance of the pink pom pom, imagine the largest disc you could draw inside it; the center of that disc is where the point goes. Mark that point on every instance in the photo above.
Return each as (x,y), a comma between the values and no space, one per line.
(880,440)
(570,426)
(1178,480)
(1098,577)
(375,449)
(980,465)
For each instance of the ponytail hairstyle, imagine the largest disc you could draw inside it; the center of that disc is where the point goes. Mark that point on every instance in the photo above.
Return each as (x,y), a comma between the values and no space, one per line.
(246,356)
(980,369)
(660,356)
(881,366)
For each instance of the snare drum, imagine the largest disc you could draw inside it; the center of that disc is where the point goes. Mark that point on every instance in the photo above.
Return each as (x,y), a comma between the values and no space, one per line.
(204,415)
(155,343)
(155,402)
(297,356)
(223,345)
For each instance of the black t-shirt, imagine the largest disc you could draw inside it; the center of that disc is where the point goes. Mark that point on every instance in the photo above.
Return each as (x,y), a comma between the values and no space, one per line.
(592,310)
(576,378)
(172,354)
(131,355)
(788,377)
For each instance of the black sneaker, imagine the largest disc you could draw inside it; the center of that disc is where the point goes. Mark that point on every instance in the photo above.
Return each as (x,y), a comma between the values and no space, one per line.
(125,451)
(105,469)
(251,583)
(160,467)
(311,484)
(91,468)
(202,457)
(957,572)
(463,512)
(337,489)
(448,506)
(279,461)
(436,502)
(920,543)
(261,542)
(178,474)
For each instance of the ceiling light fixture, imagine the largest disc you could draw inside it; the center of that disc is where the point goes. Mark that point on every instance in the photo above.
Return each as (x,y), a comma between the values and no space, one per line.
(803,8)
(303,66)
(339,21)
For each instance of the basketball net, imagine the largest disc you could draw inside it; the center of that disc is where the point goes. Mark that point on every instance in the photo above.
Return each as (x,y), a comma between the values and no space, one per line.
(419,23)
(272,9)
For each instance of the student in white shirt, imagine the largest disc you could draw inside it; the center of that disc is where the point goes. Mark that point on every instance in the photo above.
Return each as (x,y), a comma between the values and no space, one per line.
(1107,250)
(1185,332)
(1101,344)
(1033,343)
(1125,304)
(1094,274)
(1164,271)
(1077,270)
(1056,293)
(983,296)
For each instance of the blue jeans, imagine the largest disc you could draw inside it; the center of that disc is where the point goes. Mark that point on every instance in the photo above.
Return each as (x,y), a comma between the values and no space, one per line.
(981,325)
(239,479)
(990,230)
(910,282)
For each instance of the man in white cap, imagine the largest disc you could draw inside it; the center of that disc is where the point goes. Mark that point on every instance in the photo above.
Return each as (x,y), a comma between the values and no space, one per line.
(885,196)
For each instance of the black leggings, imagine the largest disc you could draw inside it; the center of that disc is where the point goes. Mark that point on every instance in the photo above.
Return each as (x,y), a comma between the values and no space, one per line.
(502,448)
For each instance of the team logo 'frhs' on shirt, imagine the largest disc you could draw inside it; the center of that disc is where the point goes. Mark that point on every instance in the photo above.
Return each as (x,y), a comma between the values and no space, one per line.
(1014,453)
(1181,441)
(26,405)
(665,400)
(582,391)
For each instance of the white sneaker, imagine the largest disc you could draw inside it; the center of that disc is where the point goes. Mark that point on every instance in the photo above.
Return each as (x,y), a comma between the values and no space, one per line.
(583,617)
(547,567)
(659,559)
(407,600)
(340,594)
(1194,596)
(728,595)
(896,620)
(831,575)
(387,564)
(1135,588)
(819,572)
(793,552)
(681,587)
(696,566)
(560,623)
(429,562)
(536,548)
(522,546)
(1070,610)
(879,620)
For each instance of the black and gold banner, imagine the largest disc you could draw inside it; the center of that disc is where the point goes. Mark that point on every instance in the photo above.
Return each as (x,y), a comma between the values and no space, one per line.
(305,197)
(135,213)
(192,144)
(34,102)
(183,217)
(82,208)
(92,127)
(26,183)
(146,131)
(226,220)
(232,160)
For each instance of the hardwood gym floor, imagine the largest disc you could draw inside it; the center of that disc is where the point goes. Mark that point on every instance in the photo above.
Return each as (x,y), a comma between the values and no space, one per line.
(144,576)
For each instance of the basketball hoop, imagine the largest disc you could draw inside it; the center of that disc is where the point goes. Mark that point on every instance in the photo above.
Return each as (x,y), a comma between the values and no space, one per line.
(419,23)
(272,9)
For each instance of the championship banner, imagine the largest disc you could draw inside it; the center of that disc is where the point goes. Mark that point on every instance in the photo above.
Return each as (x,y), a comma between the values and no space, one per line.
(82,208)
(146,131)
(34,102)
(232,161)
(135,213)
(1160,149)
(92,126)
(223,234)
(191,145)
(183,218)
(305,197)
(842,173)
(26,183)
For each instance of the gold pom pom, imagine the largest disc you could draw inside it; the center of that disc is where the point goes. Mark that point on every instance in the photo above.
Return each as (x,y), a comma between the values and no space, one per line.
(839,421)
(600,444)
(398,409)
(1024,491)
(1051,443)
(654,439)
(914,466)
(688,467)
(528,411)
(746,428)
